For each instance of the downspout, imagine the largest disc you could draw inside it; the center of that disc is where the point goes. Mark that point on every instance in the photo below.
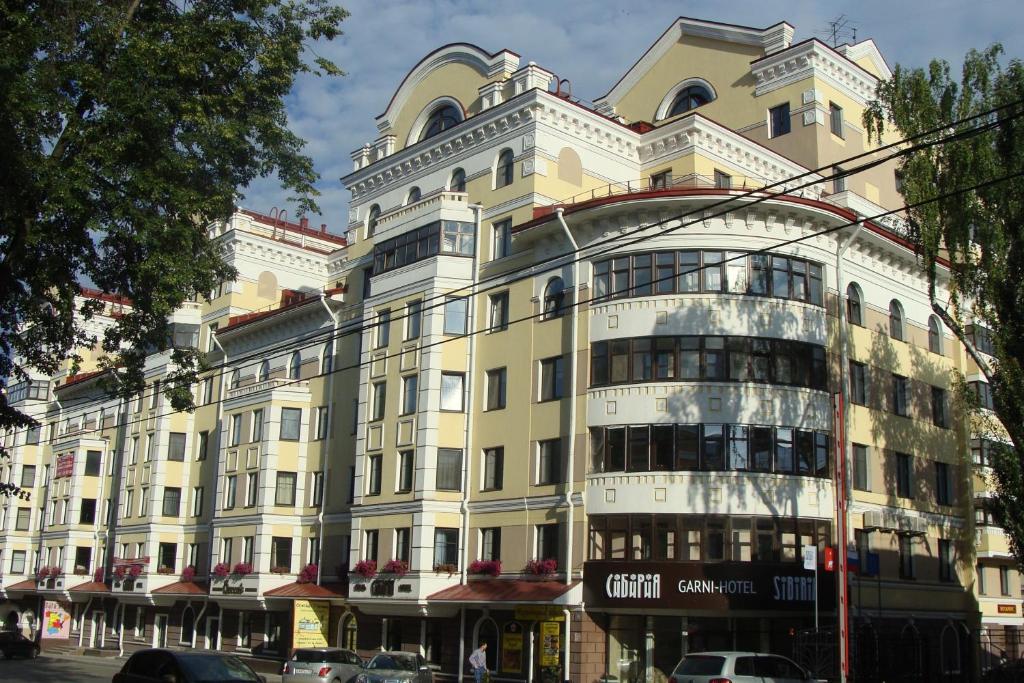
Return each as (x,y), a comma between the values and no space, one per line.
(844,494)
(571,466)
(115,489)
(85,618)
(215,500)
(327,442)
(471,328)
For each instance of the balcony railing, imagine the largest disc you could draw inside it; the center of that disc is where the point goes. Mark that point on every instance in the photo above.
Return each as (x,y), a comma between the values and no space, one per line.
(268,385)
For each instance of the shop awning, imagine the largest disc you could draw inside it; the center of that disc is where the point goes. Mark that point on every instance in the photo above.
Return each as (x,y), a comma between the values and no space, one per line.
(519,591)
(90,587)
(29,585)
(181,588)
(306,590)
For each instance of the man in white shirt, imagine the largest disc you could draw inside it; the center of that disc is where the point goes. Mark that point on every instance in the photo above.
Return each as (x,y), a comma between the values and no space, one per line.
(478,662)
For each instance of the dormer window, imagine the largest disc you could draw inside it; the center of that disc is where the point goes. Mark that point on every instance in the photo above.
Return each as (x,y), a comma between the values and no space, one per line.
(441,119)
(413,196)
(689,98)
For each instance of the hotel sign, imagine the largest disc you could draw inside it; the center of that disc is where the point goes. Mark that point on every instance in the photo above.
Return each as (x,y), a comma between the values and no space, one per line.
(696,585)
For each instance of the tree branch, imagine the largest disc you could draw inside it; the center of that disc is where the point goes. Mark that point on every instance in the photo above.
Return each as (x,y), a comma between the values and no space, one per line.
(962,336)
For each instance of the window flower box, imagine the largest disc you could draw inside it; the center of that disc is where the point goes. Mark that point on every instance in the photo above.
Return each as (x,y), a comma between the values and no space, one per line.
(366,568)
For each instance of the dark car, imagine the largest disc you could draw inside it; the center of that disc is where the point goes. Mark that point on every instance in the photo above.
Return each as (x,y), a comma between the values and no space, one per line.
(1005,672)
(13,644)
(168,666)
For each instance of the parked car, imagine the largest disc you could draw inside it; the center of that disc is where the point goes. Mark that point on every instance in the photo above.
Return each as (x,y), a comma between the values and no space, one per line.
(1005,672)
(13,644)
(396,667)
(168,666)
(738,667)
(322,665)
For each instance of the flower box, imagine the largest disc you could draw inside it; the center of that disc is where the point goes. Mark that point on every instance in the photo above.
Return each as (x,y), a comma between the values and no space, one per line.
(485,567)
(396,567)
(241,569)
(221,570)
(188,573)
(366,568)
(308,574)
(280,570)
(442,568)
(542,567)
(165,570)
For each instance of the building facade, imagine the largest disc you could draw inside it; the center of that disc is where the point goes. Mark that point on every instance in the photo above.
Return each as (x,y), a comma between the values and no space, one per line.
(586,383)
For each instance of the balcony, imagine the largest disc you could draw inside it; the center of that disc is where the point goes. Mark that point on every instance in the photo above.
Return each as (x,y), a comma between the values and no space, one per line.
(277,389)
(249,585)
(413,587)
(144,583)
(991,542)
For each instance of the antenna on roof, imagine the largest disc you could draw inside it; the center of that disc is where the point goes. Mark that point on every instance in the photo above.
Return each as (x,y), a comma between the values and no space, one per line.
(839,29)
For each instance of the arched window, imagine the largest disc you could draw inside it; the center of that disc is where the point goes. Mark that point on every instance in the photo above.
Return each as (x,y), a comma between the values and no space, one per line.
(441,119)
(294,365)
(371,220)
(458,181)
(934,335)
(413,196)
(236,378)
(264,373)
(347,632)
(327,362)
(503,171)
(895,320)
(487,632)
(853,305)
(689,98)
(554,298)
(188,622)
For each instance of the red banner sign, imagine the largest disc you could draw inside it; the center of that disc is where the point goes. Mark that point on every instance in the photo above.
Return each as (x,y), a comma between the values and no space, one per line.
(65,465)
(130,560)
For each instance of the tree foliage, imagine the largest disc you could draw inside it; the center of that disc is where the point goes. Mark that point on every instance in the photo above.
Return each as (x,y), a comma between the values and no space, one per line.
(126,128)
(980,233)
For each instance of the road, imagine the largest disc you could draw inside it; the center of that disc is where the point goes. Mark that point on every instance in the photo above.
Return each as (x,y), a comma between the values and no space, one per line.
(68,669)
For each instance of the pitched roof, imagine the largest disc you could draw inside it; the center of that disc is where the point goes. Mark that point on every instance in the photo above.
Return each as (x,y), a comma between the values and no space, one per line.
(306,590)
(27,585)
(90,587)
(182,587)
(504,590)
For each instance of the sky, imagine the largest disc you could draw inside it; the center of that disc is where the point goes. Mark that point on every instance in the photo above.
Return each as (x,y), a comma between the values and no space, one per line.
(590,42)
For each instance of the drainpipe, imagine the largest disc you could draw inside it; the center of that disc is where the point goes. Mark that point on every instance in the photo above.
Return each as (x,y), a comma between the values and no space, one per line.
(470,318)
(220,430)
(462,644)
(110,529)
(327,442)
(844,494)
(81,625)
(571,478)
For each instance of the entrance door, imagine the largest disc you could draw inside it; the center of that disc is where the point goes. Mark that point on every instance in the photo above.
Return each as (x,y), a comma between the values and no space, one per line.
(212,638)
(160,631)
(96,629)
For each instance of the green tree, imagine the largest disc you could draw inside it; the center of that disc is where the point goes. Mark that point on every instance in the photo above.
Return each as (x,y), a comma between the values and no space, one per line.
(126,128)
(980,233)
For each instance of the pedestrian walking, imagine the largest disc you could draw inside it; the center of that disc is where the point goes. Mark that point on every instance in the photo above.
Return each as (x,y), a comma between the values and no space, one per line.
(478,662)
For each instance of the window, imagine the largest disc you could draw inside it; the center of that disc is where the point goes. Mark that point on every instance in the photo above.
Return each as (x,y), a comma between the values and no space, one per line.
(264,372)
(458,181)
(449,469)
(294,366)
(441,119)
(723,181)
(853,305)
(374,465)
(490,543)
(446,547)
(402,544)
(554,298)
(236,379)
(317,490)
(496,389)
(499,312)
(858,383)
(552,378)
(208,391)
(167,555)
(175,447)
(257,425)
(980,571)
(661,181)
(372,537)
(549,461)
(285,494)
(18,562)
(327,359)
(323,422)
(413,314)
(28,476)
(248,549)
(129,504)
(896,320)
(906,549)
(172,501)
(1004,580)
(503,238)
(981,338)
(861,480)
(383,328)
(230,487)
(371,222)
(494,464)
(835,119)
(87,514)
(413,196)
(143,504)
(452,395)
(943,484)
(778,120)
(983,393)
(281,553)
(380,393)
(939,411)
(838,179)
(904,471)
(934,335)
(689,98)
(409,394)
(154,398)
(92,461)
(151,444)
(203,447)
(406,470)
(899,395)
(197,501)
(291,422)
(455,315)
(503,171)
(236,429)
(547,542)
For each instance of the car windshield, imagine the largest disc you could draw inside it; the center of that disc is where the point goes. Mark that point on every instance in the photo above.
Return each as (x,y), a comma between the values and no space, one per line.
(216,669)
(394,662)
(316,656)
(700,665)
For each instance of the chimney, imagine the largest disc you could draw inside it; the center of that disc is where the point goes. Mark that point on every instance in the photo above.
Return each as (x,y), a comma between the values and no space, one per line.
(303,222)
(323,228)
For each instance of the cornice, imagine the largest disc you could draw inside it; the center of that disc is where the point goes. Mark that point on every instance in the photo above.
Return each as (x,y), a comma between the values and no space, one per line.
(813,59)
(302,261)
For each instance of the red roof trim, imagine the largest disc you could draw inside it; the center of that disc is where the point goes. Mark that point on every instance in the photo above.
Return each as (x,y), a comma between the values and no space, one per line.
(90,587)
(504,590)
(91,293)
(79,378)
(294,227)
(303,590)
(236,321)
(181,588)
(28,585)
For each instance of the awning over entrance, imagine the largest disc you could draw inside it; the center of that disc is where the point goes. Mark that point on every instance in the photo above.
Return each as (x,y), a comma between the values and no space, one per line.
(181,588)
(90,587)
(517,591)
(28,585)
(304,591)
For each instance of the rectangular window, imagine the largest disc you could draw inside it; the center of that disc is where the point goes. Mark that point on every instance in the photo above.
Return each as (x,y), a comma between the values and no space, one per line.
(176,447)
(452,394)
(172,501)
(983,392)
(375,464)
(939,412)
(661,181)
(496,380)
(18,562)
(143,503)
(499,312)
(455,315)
(503,238)
(197,501)
(28,476)
(494,465)
(778,120)
(899,395)
(906,548)
(151,445)
(322,422)
(372,537)
(409,394)
(380,395)
(723,181)
(838,179)
(835,119)
(860,468)
(230,488)
(446,547)
(904,470)
(291,422)
(87,514)
(548,542)
(383,328)
(203,447)
(1004,580)
(317,493)
(285,493)
(167,555)
(403,551)
(858,383)
(947,560)
(21,521)
(129,504)
(257,425)
(92,463)
(552,378)
(449,469)
(490,543)
(236,429)
(406,470)
(943,484)
(281,553)
(252,488)
(549,461)
(248,549)
(413,319)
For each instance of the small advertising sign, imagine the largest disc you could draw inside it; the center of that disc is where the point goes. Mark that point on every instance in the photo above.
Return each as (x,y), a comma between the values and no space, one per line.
(549,643)
(65,465)
(810,557)
(56,620)
(512,648)
(311,621)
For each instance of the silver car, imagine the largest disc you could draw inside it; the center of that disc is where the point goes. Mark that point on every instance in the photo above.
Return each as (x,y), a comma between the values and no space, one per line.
(322,665)
(738,667)
(396,667)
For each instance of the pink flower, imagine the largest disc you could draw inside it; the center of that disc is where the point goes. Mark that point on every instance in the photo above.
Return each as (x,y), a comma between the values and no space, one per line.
(188,573)
(490,567)
(366,568)
(135,570)
(308,574)
(397,567)
(241,569)
(542,567)
(222,569)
